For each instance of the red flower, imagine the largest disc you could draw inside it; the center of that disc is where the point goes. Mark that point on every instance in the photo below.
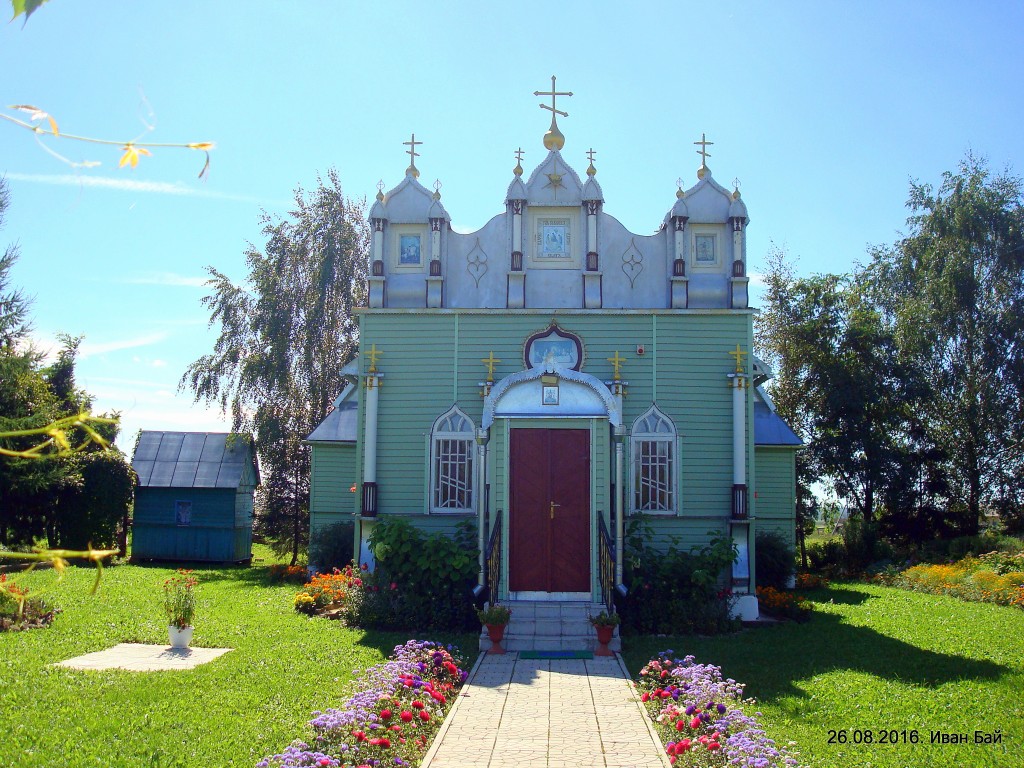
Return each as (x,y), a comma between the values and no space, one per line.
(359,735)
(683,746)
(406,716)
(695,723)
(424,715)
(386,743)
(712,746)
(386,714)
(418,704)
(645,696)
(680,725)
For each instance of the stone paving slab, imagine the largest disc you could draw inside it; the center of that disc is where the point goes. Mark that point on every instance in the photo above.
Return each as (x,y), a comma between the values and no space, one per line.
(137,657)
(549,713)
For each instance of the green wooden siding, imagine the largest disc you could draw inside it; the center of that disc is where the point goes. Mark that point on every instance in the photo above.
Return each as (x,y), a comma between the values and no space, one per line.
(214,533)
(776,491)
(332,474)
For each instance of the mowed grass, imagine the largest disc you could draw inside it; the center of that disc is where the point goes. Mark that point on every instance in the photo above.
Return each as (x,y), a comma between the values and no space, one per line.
(245,705)
(876,659)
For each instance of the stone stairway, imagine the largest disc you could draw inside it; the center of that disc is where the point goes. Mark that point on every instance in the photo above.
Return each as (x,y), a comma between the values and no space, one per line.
(550,626)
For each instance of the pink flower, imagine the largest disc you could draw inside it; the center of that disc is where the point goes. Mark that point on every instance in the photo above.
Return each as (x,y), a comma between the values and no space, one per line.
(695,723)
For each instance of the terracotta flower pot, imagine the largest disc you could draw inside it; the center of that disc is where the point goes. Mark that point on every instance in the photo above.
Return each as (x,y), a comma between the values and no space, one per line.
(604,636)
(496,632)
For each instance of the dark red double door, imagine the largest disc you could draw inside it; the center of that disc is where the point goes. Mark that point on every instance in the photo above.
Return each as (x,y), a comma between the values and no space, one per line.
(549,510)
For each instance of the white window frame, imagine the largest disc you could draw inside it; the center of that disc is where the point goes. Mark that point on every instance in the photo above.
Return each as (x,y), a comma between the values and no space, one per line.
(450,428)
(653,426)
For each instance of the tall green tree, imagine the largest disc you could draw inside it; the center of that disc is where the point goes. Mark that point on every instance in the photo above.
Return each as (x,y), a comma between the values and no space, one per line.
(285,334)
(840,383)
(954,287)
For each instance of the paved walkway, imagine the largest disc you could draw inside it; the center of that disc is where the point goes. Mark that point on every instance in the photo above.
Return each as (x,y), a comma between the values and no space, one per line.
(137,657)
(547,713)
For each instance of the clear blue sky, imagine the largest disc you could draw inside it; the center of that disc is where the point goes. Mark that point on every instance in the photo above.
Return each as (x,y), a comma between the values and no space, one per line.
(824,111)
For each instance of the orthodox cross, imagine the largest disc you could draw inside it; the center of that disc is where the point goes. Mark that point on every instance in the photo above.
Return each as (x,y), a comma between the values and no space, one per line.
(553,94)
(703,151)
(489,361)
(437,189)
(590,155)
(413,154)
(617,363)
(373,354)
(519,156)
(738,354)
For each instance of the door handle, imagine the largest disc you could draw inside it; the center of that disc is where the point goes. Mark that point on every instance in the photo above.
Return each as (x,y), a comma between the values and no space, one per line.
(553,505)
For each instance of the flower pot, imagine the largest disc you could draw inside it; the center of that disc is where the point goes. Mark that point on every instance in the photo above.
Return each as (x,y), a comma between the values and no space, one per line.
(604,636)
(180,638)
(496,632)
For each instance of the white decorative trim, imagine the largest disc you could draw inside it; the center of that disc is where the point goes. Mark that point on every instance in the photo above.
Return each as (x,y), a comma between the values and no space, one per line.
(533,374)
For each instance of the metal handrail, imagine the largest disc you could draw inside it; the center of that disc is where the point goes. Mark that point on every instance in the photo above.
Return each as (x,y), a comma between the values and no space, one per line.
(606,563)
(493,561)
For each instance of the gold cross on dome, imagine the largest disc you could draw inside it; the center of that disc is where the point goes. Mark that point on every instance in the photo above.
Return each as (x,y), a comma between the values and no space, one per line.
(373,353)
(738,354)
(412,153)
(490,361)
(617,363)
(554,95)
(703,151)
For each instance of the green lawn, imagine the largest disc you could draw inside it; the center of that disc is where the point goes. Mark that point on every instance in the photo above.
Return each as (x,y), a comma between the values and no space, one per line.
(248,704)
(877,658)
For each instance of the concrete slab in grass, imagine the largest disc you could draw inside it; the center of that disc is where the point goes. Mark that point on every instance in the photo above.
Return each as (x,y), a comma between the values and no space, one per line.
(137,657)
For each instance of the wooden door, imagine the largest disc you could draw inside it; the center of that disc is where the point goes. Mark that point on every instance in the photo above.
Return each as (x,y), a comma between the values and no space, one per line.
(549,510)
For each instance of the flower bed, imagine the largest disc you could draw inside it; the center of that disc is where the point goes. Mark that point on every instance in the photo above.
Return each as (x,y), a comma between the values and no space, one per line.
(700,716)
(327,591)
(995,577)
(783,603)
(19,610)
(391,721)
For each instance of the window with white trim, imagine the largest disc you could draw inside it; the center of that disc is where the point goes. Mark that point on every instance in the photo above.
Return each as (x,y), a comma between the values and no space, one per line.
(451,463)
(652,448)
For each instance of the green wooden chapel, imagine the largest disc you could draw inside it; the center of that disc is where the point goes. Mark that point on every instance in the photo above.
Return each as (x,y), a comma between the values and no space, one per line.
(552,375)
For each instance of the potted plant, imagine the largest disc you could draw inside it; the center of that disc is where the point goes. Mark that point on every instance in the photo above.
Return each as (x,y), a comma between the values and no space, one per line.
(495,617)
(180,606)
(605,625)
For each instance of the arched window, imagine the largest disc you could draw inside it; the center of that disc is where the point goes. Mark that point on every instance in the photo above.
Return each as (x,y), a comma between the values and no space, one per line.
(451,463)
(652,445)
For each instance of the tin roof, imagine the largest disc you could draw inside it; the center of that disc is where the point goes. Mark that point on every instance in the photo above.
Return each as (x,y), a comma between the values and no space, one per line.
(771,429)
(193,460)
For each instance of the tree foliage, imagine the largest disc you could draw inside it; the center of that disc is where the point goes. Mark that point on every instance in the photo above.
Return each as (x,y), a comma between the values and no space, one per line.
(284,336)
(905,376)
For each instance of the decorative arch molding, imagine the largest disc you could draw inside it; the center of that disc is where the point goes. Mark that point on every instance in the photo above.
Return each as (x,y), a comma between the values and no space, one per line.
(594,385)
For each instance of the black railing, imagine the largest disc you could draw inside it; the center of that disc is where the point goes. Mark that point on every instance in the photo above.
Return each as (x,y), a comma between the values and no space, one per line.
(606,563)
(493,561)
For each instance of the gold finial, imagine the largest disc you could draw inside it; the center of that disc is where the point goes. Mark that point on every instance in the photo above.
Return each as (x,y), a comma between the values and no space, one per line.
(704,154)
(518,170)
(738,354)
(413,154)
(490,361)
(380,191)
(679,189)
(616,363)
(553,139)
(591,171)
(373,354)
(736,188)
(437,189)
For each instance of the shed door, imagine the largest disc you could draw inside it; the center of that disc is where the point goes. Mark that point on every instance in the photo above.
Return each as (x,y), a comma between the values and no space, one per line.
(549,510)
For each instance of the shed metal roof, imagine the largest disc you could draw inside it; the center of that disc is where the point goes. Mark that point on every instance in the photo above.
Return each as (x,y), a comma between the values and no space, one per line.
(192,460)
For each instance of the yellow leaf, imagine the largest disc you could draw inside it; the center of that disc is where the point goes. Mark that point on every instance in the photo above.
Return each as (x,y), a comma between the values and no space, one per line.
(36,114)
(206,146)
(131,155)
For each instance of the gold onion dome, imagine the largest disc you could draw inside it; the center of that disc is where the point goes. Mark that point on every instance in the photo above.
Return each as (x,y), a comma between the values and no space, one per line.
(554,139)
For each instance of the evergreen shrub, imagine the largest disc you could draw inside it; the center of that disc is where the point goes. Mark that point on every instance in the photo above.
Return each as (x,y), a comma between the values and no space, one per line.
(332,546)
(775,563)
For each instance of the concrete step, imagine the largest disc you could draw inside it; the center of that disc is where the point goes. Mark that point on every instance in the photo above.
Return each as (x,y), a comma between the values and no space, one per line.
(550,626)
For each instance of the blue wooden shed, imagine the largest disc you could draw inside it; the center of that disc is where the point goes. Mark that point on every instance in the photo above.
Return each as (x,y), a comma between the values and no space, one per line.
(195,496)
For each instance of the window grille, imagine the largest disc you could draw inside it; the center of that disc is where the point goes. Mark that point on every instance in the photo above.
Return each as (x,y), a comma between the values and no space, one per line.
(653,451)
(452,463)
